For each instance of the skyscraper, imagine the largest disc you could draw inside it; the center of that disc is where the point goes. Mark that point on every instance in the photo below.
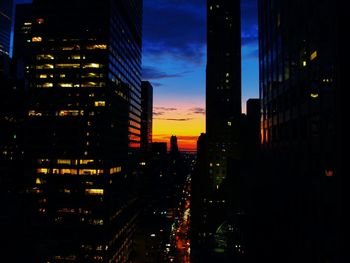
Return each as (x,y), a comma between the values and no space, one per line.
(83,125)
(5,28)
(174,149)
(5,34)
(300,126)
(223,83)
(147,115)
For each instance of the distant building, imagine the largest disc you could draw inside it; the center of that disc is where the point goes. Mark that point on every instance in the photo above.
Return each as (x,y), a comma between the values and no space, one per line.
(300,128)
(146,115)
(83,126)
(159,148)
(174,149)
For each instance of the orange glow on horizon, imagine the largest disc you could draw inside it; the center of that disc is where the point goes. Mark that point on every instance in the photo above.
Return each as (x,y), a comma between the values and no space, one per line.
(185,122)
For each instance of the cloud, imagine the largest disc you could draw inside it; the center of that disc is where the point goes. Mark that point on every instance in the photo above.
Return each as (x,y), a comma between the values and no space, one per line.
(165,109)
(174,119)
(158,113)
(250,32)
(187,137)
(175,28)
(151,73)
(198,110)
(251,53)
(156,84)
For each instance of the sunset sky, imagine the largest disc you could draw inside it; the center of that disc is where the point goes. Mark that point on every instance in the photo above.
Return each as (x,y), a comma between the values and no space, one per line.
(174,59)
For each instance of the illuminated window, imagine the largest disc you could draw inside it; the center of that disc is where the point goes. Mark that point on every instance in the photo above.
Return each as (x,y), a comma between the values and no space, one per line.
(91,171)
(68,171)
(93,84)
(63,113)
(304,63)
(34,113)
(43,76)
(65,85)
(62,76)
(100,103)
(27,23)
(115,170)
(313,55)
(45,66)
(43,161)
(75,57)
(75,47)
(63,161)
(86,161)
(93,65)
(66,210)
(96,222)
(45,85)
(42,170)
(39,181)
(67,65)
(37,39)
(229,123)
(94,191)
(44,56)
(93,75)
(99,46)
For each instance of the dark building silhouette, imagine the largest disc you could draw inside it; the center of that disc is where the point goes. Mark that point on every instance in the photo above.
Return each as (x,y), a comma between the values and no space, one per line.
(147,115)
(83,129)
(159,148)
(223,83)
(174,149)
(5,34)
(213,229)
(300,132)
(5,29)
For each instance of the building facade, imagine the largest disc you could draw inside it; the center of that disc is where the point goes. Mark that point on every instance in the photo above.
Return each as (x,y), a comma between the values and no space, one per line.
(299,125)
(5,29)
(223,84)
(83,124)
(5,35)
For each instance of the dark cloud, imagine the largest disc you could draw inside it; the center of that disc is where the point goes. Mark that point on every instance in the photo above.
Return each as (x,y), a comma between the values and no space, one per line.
(158,113)
(150,73)
(175,28)
(249,22)
(174,119)
(156,84)
(198,110)
(165,109)
(187,138)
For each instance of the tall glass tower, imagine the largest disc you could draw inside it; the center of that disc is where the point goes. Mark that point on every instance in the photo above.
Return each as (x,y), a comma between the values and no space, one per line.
(223,83)
(83,124)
